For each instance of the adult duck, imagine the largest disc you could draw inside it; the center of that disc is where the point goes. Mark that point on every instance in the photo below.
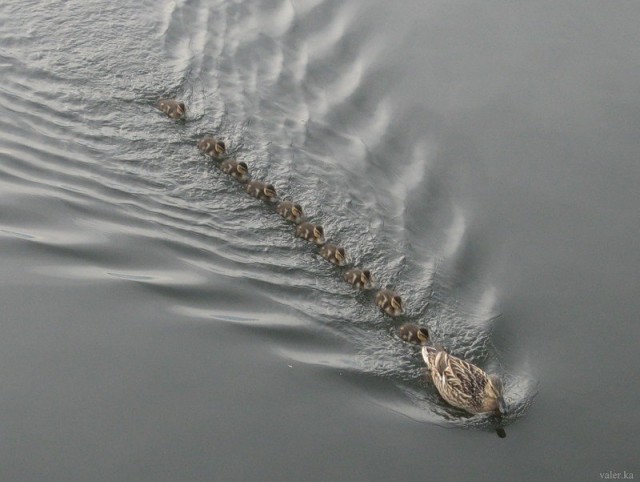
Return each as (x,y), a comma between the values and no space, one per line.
(462,384)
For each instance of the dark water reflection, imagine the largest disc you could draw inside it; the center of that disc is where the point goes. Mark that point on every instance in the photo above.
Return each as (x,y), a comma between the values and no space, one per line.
(158,324)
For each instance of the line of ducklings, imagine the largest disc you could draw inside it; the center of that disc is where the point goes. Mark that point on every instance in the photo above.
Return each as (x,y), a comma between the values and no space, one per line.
(388,300)
(460,383)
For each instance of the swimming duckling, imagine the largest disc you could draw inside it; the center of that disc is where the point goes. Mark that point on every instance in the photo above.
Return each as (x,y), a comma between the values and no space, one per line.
(290,211)
(333,254)
(262,190)
(389,302)
(212,147)
(413,334)
(310,232)
(463,384)
(173,108)
(359,278)
(238,170)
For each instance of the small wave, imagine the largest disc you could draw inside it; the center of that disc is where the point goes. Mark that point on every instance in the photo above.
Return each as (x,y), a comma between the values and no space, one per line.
(296,92)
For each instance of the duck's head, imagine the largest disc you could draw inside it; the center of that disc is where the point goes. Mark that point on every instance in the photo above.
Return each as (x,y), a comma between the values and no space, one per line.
(181,108)
(318,234)
(242,168)
(296,211)
(340,255)
(366,278)
(269,191)
(396,302)
(241,172)
(219,148)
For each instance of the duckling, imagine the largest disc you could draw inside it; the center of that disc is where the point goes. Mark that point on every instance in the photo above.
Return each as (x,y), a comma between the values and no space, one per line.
(262,190)
(290,211)
(389,302)
(359,278)
(333,254)
(212,147)
(310,232)
(463,384)
(413,334)
(238,170)
(173,108)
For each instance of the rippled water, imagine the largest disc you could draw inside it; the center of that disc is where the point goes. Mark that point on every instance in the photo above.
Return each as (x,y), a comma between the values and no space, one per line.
(160,324)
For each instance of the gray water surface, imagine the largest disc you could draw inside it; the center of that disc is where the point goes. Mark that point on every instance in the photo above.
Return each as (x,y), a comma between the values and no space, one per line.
(159,324)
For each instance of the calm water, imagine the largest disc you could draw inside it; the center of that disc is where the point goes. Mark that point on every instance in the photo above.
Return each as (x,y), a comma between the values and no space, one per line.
(158,324)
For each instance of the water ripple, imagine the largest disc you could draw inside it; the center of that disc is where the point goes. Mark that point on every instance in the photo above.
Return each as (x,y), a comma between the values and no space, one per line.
(294,90)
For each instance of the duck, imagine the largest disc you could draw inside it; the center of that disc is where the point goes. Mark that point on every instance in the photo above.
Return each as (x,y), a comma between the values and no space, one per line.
(173,108)
(334,254)
(238,170)
(290,211)
(212,147)
(310,232)
(464,385)
(262,190)
(359,278)
(390,302)
(412,333)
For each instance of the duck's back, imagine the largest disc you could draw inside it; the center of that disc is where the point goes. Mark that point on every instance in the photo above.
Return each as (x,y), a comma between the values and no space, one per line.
(460,383)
